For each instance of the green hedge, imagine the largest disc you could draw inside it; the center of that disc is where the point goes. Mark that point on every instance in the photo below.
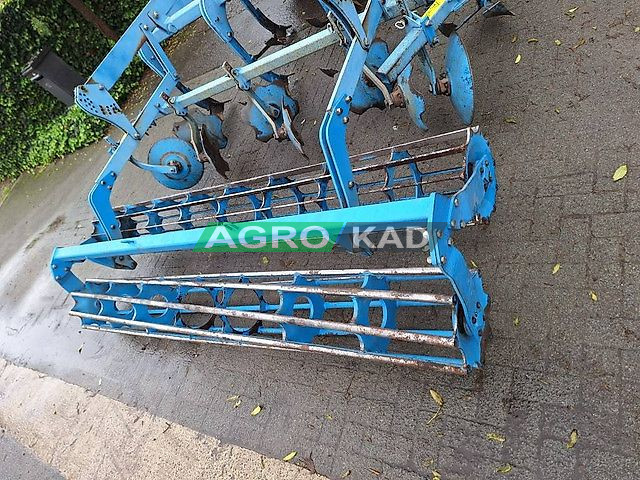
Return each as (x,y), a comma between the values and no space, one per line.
(35,128)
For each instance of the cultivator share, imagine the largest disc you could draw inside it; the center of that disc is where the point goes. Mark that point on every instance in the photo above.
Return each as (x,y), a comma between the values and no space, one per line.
(427,315)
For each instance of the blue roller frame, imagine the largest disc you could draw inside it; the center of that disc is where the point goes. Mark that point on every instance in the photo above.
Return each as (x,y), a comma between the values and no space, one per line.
(440,214)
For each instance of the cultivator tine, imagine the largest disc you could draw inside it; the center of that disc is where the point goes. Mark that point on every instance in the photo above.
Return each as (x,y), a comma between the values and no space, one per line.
(496,9)
(423,316)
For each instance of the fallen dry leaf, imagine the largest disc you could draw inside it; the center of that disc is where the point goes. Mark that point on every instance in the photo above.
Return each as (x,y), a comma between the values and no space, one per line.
(571,11)
(290,456)
(233,398)
(435,475)
(375,472)
(620,172)
(533,40)
(557,42)
(496,437)
(556,269)
(516,321)
(581,42)
(506,468)
(557,110)
(256,410)
(237,404)
(593,296)
(345,474)
(510,120)
(436,397)
(518,58)
(514,39)
(573,438)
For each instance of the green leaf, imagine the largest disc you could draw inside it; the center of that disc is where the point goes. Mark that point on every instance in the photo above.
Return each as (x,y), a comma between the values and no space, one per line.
(289,456)
(496,437)
(620,172)
(256,410)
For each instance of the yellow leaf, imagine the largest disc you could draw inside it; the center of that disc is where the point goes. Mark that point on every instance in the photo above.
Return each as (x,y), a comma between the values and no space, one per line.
(573,438)
(620,172)
(514,39)
(436,397)
(506,468)
(516,321)
(473,264)
(256,410)
(345,474)
(637,29)
(593,296)
(533,40)
(556,269)
(557,111)
(264,260)
(290,456)
(518,58)
(233,398)
(557,42)
(510,120)
(572,10)
(435,475)
(237,404)
(496,437)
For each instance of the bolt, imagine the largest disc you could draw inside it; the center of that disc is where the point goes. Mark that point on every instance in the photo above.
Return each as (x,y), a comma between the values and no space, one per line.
(439,233)
(145,27)
(109,187)
(463,224)
(443,259)
(453,223)
(450,241)
(478,305)
(347,99)
(66,269)
(345,120)
(112,227)
(429,261)
(155,14)
(229,34)
(338,110)
(103,182)
(57,277)
(100,87)
(137,136)
(486,163)
(351,184)
(456,202)
(113,174)
(54,266)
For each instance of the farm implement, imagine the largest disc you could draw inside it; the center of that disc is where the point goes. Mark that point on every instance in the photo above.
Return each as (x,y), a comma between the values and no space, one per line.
(437,185)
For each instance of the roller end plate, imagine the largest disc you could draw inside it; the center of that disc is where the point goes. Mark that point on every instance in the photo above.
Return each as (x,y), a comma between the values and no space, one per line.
(177,153)
(458,69)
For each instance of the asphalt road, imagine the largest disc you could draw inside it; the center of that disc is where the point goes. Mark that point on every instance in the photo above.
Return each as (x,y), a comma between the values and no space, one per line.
(569,363)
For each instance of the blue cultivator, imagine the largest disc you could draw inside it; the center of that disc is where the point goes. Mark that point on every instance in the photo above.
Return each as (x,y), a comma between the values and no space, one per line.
(439,185)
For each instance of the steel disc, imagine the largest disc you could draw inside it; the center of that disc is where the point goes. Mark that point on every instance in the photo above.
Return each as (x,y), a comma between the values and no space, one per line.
(460,76)
(178,153)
